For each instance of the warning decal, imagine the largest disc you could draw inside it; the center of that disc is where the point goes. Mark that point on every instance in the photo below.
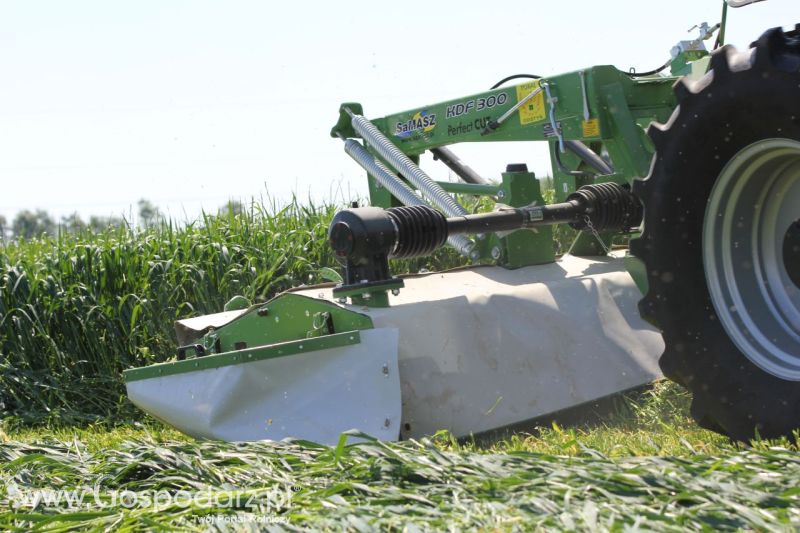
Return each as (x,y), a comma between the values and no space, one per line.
(533,110)
(591,128)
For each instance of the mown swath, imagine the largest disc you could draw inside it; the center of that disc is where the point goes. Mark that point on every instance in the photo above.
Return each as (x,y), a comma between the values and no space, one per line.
(372,484)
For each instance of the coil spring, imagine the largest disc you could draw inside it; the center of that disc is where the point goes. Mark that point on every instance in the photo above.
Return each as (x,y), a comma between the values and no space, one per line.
(609,207)
(399,189)
(430,189)
(378,170)
(420,230)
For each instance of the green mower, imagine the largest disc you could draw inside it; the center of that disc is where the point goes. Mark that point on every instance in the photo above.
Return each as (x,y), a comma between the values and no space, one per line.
(695,164)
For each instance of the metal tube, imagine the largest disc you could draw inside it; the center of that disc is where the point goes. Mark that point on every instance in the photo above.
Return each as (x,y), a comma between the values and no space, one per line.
(468,188)
(399,189)
(455,164)
(516,218)
(589,157)
(401,162)
(496,221)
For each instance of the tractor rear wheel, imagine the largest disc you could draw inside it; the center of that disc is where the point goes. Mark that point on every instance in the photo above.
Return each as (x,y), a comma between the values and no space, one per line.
(721,239)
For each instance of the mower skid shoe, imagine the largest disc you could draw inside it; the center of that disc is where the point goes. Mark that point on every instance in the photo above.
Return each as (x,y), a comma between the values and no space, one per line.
(314,396)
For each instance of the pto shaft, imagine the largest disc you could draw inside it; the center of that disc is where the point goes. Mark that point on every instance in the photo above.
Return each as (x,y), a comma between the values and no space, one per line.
(401,232)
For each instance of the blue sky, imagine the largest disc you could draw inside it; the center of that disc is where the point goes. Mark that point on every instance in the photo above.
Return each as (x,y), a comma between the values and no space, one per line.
(191,103)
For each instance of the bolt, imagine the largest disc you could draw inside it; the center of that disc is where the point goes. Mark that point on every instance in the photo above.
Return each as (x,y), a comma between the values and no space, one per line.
(501,194)
(395,291)
(496,252)
(386,370)
(387,423)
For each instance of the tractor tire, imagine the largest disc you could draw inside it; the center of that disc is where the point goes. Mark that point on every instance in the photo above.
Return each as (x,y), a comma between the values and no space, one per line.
(721,239)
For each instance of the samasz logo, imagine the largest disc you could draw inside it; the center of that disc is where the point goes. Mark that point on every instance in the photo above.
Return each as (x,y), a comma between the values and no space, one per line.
(422,122)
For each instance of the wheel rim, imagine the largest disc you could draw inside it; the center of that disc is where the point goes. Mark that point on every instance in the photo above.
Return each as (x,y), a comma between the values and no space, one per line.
(749,254)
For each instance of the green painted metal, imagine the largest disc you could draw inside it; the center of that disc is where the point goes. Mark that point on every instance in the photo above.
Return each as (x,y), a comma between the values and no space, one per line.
(638,272)
(372,296)
(522,247)
(469,188)
(237,303)
(344,125)
(588,245)
(248,355)
(604,108)
(618,108)
(563,183)
(723,24)
(287,317)
(462,120)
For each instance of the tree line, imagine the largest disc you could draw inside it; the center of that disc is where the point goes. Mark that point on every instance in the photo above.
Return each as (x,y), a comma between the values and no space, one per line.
(28,223)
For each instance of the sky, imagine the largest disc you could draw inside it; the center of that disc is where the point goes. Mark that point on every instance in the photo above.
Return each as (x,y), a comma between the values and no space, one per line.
(192,103)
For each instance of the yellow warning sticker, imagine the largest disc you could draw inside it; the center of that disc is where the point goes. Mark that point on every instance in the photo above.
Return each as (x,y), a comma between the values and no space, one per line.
(591,128)
(533,110)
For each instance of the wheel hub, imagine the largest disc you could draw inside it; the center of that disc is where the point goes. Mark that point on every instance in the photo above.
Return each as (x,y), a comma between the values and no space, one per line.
(751,254)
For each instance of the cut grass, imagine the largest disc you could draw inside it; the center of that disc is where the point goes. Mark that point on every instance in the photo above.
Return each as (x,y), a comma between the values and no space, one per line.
(369,485)
(645,465)
(414,485)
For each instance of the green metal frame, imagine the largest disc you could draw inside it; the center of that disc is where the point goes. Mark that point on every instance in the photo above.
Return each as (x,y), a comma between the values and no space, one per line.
(519,248)
(286,325)
(606,109)
(618,107)
(284,318)
(260,353)
(372,296)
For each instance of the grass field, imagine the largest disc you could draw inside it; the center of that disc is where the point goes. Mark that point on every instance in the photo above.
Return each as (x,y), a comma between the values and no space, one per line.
(75,455)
